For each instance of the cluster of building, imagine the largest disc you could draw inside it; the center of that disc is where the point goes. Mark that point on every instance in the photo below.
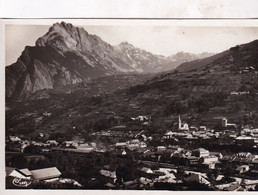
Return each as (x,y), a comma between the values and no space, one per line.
(244,164)
(120,131)
(134,144)
(244,137)
(149,177)
(17,144)
(199,158)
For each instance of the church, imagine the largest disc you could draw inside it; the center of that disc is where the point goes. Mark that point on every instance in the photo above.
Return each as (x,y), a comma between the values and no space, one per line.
(182,126)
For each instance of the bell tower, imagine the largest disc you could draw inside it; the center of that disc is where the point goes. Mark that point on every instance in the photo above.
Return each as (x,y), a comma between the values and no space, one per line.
(179,123)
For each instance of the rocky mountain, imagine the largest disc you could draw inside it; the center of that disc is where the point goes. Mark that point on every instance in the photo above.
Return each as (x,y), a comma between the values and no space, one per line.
(67,55)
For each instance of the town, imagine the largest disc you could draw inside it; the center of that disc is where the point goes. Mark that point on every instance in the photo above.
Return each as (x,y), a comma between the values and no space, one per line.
(188,158)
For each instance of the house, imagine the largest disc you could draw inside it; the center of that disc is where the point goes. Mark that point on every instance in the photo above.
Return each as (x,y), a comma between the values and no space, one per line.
(203,128)
(47,114)
(209,165)
(41,135)
(193,128)
(165,175)
(147,170)
(124,153)
(245,140)
(244,154)
(174,149)
(52,142)
(14,139)
(234,187)
(109,175)
(168,135)
(190,160)
(197,178)
(161,148)
(242,169)
(46,174)
(226,124)
(144,180)
(21,173)
(200,152)
(218,154)
(209,159)
(70,144)
(120,145)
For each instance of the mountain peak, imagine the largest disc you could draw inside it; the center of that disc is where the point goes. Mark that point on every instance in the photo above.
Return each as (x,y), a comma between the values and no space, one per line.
(64,37)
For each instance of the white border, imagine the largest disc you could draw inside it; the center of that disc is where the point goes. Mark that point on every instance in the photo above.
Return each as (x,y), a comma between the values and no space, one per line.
(129,8)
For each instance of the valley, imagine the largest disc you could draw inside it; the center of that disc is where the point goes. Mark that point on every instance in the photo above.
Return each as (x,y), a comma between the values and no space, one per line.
(137,121)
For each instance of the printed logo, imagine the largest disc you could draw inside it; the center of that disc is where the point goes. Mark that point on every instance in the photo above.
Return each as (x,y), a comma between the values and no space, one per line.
(21,182)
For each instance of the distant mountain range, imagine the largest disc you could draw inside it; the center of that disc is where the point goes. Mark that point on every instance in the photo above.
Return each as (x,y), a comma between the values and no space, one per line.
(67,55)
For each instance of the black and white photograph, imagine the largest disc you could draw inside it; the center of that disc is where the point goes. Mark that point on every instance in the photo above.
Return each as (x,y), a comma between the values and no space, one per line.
(120,104)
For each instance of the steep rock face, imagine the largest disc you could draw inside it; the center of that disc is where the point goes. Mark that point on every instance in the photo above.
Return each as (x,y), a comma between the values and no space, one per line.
(66,55)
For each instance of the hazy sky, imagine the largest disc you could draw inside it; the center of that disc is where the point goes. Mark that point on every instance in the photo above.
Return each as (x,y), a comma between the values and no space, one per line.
(164,40)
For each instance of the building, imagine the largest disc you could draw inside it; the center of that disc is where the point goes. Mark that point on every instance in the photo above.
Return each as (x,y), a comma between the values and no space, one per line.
(147,170)
(209,159)
(190,161)
(120,145)
(14,139)
(182,126)
(168,135)
(46,174)
(161,148)
(242,140)
(203,128)
(218,154)
(226,124)
(193,128)
(201,152)
(52,142)
(70,144)
(197,178)
(242,169)
(21,173)
(109,175)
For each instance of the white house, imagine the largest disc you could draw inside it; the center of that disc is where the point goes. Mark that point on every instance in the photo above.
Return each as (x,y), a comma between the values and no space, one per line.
(21,173)
(147,170)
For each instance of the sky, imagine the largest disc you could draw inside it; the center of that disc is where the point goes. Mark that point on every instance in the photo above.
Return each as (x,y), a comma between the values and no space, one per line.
(162,40)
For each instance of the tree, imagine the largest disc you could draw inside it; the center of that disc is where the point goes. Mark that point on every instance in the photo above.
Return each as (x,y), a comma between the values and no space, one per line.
(32,149)
(18,161)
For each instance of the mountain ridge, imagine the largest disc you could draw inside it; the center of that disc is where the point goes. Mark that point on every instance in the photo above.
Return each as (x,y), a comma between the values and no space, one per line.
(66,55)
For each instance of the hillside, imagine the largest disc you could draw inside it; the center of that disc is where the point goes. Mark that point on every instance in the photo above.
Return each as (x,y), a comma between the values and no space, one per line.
(222,85)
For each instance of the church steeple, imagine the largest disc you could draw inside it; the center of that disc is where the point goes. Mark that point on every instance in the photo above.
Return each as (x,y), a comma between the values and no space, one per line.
(179,123)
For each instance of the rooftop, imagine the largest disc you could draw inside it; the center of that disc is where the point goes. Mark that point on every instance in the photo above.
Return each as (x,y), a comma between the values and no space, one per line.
(25,172)
(46,173)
